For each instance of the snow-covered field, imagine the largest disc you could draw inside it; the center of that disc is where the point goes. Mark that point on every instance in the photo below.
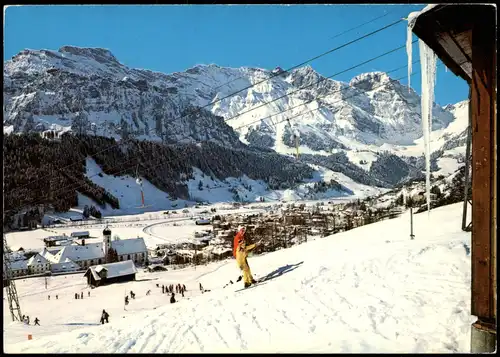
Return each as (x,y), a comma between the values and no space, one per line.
(371,289)
(154,227)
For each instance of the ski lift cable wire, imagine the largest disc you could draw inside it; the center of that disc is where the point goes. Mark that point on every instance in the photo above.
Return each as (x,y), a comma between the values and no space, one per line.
(363,24)
(248,87)
(331,38)
(164,161)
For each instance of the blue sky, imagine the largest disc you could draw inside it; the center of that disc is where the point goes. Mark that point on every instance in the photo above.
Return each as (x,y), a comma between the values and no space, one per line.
(175,38)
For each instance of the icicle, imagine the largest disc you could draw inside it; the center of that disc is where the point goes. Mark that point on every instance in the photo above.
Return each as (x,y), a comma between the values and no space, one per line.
(412,17)
(428,62)
(409,34)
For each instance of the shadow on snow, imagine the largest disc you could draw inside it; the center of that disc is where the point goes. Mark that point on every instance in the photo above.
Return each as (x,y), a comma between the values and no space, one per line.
(280,271)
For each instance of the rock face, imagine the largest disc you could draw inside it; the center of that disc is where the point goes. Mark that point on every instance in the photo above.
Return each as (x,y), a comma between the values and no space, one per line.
(87,90)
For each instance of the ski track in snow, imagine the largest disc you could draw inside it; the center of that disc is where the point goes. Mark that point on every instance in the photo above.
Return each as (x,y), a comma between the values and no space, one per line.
(371,289)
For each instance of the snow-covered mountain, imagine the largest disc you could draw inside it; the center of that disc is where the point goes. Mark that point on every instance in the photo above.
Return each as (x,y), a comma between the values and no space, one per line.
(89,90)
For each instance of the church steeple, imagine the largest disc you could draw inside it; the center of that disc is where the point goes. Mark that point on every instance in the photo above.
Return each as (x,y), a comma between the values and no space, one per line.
(106,241)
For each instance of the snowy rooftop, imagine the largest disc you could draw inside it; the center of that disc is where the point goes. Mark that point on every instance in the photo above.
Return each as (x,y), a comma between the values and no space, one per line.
(78,253)
(37,259)
(66,265)
(126,267)
(19,265)
(80,234)
(129,246)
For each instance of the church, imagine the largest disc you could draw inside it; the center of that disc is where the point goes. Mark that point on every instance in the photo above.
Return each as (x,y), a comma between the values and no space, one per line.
(86,255)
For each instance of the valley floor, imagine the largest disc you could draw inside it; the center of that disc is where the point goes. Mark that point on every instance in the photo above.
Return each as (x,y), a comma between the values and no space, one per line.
(371,289)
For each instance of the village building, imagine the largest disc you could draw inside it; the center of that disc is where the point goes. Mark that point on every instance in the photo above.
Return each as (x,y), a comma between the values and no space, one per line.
(37,264)
(82,234)
(53,241)
(106,274)
(131,249)
(19,268)
(84,255)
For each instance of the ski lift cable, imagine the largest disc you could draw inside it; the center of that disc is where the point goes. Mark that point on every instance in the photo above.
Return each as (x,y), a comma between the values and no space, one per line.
(247,87)
(331,38)
(163,161)
(363,24)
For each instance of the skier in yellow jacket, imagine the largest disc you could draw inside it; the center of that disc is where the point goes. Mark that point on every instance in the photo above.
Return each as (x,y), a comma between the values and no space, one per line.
(241,254)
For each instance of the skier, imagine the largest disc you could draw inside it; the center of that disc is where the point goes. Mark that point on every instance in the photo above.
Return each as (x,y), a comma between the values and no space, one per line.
(184,287)
(148,292)
(37,321)
(126,300)
(27,320)
(172,298)
(241,259)
(239,235)
(49,297)
(163,289)
(57,297)
(104,317)
(81,296)
(201,287)
(88,294)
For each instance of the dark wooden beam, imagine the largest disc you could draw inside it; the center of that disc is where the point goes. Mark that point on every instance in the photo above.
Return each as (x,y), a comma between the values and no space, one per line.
(483,98)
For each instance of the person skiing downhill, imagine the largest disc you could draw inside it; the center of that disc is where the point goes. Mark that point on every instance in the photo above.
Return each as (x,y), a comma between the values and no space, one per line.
(241,251)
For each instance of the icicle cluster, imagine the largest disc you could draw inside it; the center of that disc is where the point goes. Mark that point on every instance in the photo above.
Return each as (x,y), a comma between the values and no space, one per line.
(428,62)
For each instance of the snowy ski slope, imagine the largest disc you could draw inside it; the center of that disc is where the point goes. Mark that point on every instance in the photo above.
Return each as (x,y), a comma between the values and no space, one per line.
(371,289)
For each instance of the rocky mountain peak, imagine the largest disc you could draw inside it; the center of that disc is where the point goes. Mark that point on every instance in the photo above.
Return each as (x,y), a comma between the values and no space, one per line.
(101,55)
(366,81)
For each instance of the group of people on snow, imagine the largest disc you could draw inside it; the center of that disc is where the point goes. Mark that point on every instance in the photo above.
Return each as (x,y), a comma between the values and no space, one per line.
(26,320)
(240,253)
(179,288)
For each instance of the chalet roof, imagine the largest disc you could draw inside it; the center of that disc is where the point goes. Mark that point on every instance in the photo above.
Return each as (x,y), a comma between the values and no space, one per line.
(66,265)
(78,253)
(113,270)
(19,265)
(80,234)
(37,259)
(55,238)
(129,246)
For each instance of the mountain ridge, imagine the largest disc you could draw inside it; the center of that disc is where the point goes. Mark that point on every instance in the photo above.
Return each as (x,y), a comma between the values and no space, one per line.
(88,91)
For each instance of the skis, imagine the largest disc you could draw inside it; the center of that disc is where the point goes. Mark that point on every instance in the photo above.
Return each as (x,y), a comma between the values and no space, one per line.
(258,283)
